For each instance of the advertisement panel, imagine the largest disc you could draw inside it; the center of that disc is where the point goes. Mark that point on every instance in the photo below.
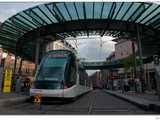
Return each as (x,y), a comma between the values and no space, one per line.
(7,81)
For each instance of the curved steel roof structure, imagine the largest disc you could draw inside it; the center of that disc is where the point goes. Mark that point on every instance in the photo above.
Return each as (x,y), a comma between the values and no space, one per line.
(65,19)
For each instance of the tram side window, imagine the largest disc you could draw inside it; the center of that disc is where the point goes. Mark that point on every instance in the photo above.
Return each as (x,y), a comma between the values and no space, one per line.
(81,78)
(71,79)
(73,74)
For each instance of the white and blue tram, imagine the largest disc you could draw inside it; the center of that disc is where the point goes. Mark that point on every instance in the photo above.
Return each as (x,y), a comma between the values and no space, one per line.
(59,75)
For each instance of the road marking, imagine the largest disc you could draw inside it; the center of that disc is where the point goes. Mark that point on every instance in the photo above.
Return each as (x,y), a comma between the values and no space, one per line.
(91,104)
(109,110)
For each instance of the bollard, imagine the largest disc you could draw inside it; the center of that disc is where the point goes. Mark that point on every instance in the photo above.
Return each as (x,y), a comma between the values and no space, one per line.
(37,102)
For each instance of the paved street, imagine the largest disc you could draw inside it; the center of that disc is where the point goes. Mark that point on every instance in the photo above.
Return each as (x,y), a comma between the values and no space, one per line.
(95,102)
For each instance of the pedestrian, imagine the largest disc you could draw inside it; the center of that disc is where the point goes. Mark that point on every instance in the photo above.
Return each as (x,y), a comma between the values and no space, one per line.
(138,85)
(27,84)
(126,85)
(18,84)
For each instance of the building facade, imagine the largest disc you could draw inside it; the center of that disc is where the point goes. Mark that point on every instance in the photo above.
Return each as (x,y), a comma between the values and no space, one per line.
(123,48)
(96,80)
(60,44)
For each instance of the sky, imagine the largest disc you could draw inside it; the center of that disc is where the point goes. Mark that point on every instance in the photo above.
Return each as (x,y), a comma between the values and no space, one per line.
(88,48)
(11,8)
(93,48)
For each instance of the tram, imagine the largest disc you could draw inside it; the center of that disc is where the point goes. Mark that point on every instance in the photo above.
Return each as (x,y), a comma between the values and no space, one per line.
(60,75)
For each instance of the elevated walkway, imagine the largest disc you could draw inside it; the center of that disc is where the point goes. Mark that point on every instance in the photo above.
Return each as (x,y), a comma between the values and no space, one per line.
(102,65)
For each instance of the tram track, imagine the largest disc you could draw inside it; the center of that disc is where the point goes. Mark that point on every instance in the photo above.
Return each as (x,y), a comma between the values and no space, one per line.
(92,99)
(95,102)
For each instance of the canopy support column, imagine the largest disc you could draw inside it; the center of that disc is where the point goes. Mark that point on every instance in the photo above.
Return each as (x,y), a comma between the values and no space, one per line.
(15,77)
(134,65)
(15,65)
(140,58)
(20,67)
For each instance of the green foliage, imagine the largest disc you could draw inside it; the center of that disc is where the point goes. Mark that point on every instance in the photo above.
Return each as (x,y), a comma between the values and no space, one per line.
(129,62)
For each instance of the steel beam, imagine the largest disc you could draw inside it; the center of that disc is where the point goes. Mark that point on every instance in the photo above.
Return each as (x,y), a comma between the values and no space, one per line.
(76,10)
(140,58)
(70,26)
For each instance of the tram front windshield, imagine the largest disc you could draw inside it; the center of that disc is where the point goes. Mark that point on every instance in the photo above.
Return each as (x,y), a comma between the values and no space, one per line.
(52,69)
(51,73)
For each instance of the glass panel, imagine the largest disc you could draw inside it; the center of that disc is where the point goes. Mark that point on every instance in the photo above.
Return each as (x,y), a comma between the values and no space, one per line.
(8,33)
(112,11)
(11,30)
(29,23)
(63,11)
(118,5)
(89,10)
(123,10)
(36,10)
(154,21)
(55,12)
(48,13)
(106,9)
(37,19)
(131,10)
(3,40)
(79,6)
(21,25)
(97,9)
(12,27)
(151,15)
(9,46)
(29,18)
(138,12)
(147,12)
(72,10)
(157,26)
(8,37)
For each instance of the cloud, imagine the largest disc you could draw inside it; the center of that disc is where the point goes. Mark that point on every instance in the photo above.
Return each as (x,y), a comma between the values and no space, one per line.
(94,48)
(9,9)
(90,48)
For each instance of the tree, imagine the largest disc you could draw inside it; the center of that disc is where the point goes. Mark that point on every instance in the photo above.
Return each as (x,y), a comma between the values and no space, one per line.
(129,62)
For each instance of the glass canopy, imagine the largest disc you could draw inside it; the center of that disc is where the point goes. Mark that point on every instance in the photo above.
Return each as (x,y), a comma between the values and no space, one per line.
(17,26)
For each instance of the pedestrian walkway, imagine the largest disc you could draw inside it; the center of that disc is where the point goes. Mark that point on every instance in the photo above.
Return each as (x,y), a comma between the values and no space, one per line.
(147,95)
(7,99)
(11,95)
(148,101)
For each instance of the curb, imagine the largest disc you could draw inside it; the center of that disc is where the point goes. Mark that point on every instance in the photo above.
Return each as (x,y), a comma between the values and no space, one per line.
(144,106)
(155,107)
(12,101)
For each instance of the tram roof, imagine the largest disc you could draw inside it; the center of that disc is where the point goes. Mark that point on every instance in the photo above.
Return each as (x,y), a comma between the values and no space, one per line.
(70,19)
